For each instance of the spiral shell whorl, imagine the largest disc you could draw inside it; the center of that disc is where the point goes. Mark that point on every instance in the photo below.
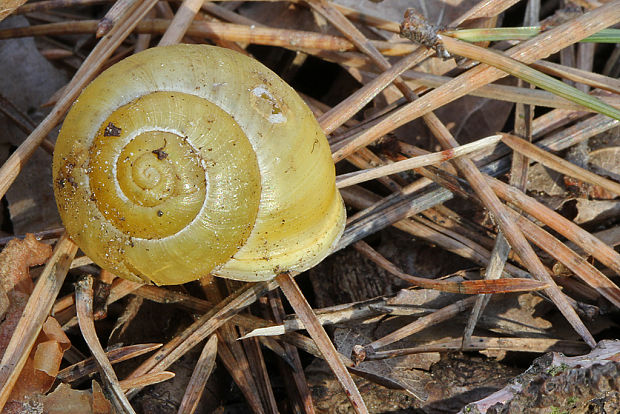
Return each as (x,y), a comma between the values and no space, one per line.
(186,160)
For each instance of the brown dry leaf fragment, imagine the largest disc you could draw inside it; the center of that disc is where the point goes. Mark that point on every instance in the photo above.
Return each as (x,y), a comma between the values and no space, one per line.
(64,400)
(53,331)
(43,363)
(16,258)
(604,161)
(101,405)
(31,381)
(7,7)
(17,304)
(15,281)
(33,405)
(595,211)
(47,358)
(582,189)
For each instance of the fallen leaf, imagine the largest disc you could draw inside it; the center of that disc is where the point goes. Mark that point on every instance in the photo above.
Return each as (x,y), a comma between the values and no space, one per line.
(15,282)
(595,211)
(43,363)
(101,405)
(64,399)
(16,258)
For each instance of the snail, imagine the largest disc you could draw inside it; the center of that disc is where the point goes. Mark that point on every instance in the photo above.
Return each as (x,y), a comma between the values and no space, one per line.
(187,160)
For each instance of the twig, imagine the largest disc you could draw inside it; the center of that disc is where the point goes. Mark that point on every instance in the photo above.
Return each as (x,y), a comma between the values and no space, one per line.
(84,308)
(357,177)
(536,48)
(203,327)
(588,78)
(53,4)
(202,372)
(524,115)
(483,344)
(181,22)
(504,92)
(419,324)
(88,366)
(558,164)
(466,287)
(356,101)
(118,9)
(579,132)
(318,334)
(301,389)
(146,380)
(514,67)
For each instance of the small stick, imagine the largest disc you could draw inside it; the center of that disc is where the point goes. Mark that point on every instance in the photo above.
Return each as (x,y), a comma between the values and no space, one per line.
(577,133)
(467,287)
(39,235)
(424,322)
(558,164)
(37,309)
(506,93)
(514,67)
(578,75)
(199,378)
(318,334)
(483,343)
(55,4)
(146,380)
(233,355)
(181,22)
(590,244)
(118,9)
(339,114)
(357,177)
(234,359)
(87,366)
(536,48)
(84,308)
(300,384)
(47,144)
(203,327)
(524,115)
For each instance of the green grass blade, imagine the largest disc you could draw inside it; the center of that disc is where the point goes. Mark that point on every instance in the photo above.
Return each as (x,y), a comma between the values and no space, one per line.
(523,33)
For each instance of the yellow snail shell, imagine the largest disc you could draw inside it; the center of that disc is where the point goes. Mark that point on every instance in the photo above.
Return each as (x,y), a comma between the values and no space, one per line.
(186,160)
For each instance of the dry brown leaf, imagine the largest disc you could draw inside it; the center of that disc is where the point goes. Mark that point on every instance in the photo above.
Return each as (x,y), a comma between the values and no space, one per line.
(595,211)
(43,363)
(53,331)
(15,281)
(7,7)
(17,304)
(604,161)
(47,358)
(64,399)
(16,258)
(101,405)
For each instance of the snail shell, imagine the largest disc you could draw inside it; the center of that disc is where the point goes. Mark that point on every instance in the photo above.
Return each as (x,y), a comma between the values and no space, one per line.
(186,160)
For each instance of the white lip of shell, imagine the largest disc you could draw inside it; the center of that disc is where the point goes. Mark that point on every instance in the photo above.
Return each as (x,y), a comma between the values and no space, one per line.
(126,140)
